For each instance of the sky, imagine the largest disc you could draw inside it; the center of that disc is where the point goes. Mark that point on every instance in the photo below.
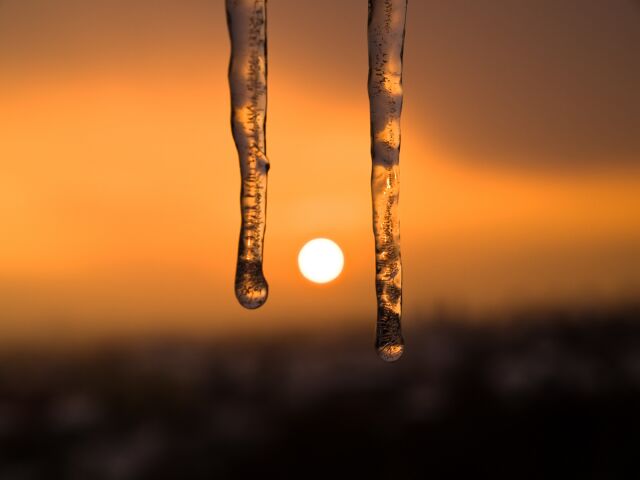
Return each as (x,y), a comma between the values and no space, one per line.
(119,180)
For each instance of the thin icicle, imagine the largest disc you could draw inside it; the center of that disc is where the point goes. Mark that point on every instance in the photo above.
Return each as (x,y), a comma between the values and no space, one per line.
(247,22)
(386,40)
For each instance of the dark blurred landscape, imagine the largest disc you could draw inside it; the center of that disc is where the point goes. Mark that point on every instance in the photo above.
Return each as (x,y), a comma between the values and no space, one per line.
(536,394)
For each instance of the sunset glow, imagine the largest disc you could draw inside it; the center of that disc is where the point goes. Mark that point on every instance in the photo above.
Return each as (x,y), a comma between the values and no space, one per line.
(119,193)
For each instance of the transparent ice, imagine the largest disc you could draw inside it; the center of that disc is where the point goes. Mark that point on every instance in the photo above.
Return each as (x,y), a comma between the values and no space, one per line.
(386,29)
(247,22)
(248,83)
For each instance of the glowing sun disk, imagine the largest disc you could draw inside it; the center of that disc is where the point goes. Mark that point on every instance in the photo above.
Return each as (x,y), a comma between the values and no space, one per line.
(320,260)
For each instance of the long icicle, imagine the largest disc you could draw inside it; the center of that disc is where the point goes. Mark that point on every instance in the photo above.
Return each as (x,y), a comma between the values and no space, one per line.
(386,41)
(247,22)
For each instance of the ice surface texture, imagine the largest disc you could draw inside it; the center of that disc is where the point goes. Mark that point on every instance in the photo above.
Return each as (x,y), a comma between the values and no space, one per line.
(247,22)
(386,40)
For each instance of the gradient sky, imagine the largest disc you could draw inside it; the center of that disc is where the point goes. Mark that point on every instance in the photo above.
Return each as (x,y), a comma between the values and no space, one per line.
(119,180)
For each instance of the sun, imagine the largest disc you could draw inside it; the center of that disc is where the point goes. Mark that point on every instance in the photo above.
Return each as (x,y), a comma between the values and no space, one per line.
(320,260)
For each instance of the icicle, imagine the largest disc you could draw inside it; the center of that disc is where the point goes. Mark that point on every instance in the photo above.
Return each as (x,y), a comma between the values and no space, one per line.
(247,22)
(386,40)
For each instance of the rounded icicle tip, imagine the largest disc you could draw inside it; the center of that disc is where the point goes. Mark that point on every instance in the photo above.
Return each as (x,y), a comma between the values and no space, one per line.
(254,296)
(390,353)
(252,289)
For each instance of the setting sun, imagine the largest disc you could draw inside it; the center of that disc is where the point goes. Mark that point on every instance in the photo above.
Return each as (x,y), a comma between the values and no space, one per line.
(321,260)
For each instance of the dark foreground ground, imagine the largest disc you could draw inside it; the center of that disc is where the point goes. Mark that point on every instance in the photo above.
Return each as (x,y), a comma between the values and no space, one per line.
(547,394)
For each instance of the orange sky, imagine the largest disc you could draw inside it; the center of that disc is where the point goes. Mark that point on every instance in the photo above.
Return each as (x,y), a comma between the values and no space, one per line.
(119,187)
